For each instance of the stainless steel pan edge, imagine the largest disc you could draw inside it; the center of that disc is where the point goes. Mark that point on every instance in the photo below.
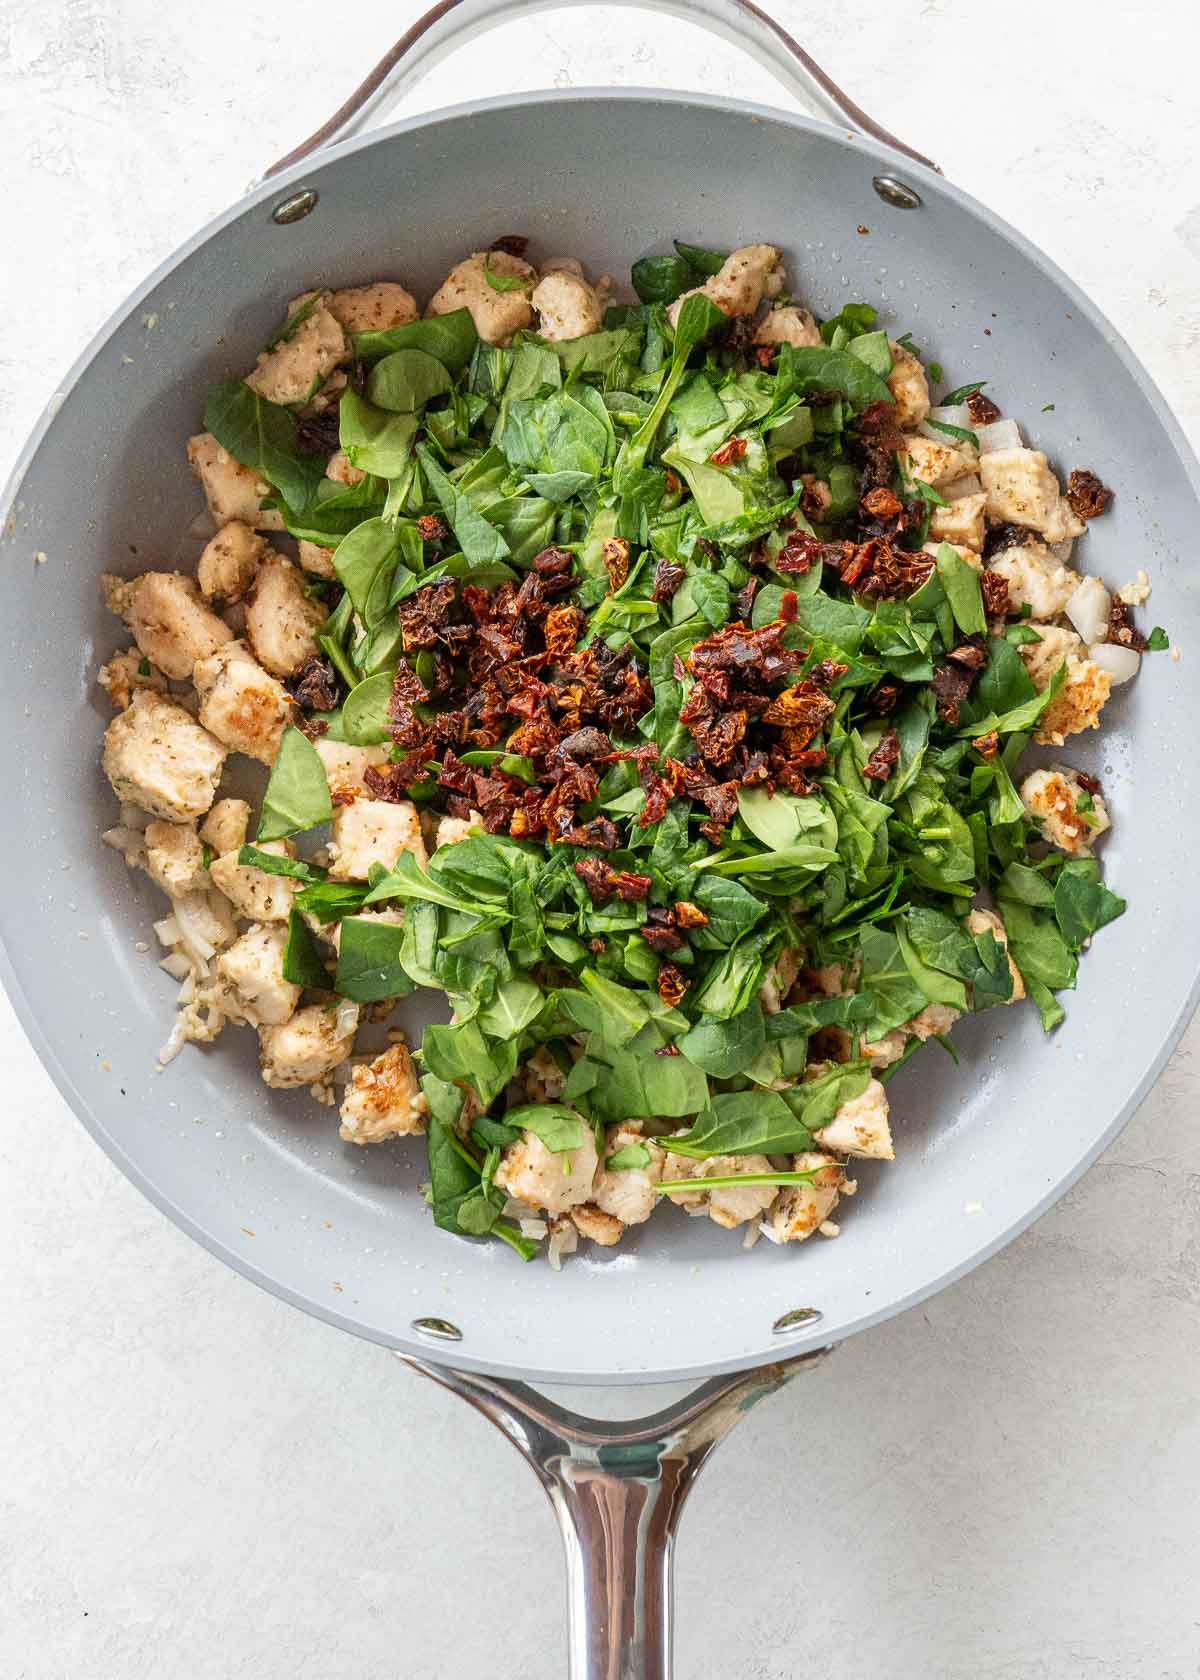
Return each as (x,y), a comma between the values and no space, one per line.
(461,1356)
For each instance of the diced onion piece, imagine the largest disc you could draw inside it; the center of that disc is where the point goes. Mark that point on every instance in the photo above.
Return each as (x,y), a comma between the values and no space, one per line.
(195,925)
(176,965)
(968,485)
(347,1017)
(1062,551)
(1001,434)
(956,414)
(1088,609)
(167,931)
(1121,663)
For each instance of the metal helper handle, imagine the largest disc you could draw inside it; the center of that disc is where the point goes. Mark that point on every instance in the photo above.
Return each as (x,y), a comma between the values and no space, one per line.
(452,22)
(617,1489)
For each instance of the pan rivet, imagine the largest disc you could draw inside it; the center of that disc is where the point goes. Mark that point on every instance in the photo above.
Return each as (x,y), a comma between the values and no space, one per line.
(440,1329)
(295,206)
(798,1319)
(896,193)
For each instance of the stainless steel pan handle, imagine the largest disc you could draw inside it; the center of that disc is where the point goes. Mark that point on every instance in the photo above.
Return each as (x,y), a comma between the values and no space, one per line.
(617,1490)
(452,22)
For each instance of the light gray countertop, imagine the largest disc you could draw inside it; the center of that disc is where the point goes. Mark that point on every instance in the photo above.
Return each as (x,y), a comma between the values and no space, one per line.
(197,1481)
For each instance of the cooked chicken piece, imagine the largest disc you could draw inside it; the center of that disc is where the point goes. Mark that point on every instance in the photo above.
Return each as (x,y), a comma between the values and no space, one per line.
(175,858)
(934,1021)
(125,673)
(157,757)
(627,1193)
(240,703)
(543,1178)
(960,521)
(316,561)
(778,981)
(450,830)
(591,1221)
(1022,490)
(909,387)
(252,972)
(307,1047)
(231,490)
(1035,579)
(342,470)
(747,275)
(226,825)
(788,324)
(729,1205)
(280,620)
(229,561)
(497,314)
(345,766)
(1052,796)
(373,308)
(1084,692)
(987,921)
(384,1099)
(567,306)
(294,370)
(373,831)
(860,1127)
(801,1209)
(170,622)
(936,463)
(253,892)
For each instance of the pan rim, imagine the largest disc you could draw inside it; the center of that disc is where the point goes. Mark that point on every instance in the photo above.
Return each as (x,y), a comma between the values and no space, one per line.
(455,1354)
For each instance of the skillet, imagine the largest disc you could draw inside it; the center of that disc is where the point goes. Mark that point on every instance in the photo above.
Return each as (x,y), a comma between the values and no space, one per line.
(259,1176)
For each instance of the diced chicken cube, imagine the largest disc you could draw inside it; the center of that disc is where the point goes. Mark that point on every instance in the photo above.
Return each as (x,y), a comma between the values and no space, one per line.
(628,1193)
(860,1127)
(295,369)
(729,1205)
(497,314)
(253,892)
(592,1222)
(345,766)
(801,1209)
(909,387)
(882,1052)
(987,921)
(373,308)
(384,1099)
(280,620)
(747,275)
(316,561)
(934,1021)
(543,1079)
(224,828)
(1035,579)
(1052,796)
(229,561)
(1085,690)
(567,306)
(788,324)
(170,622)
(373,831)
(936,463)
(175,858)
(1042,658)
(450,830)
(125,673)
(157,757)
(341,469)
(231,490)
(544,1178)
(960,521)
(252,970)
(304,1049)
(1021,489)
(240,703)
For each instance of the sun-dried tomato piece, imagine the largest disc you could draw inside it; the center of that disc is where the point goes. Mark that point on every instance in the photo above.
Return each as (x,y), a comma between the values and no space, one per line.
(599,877)
(803,709)
(315,685)
(586,743)
(672,984)
(553,561)
(407,685)
(616,561)
(1121,628)
(318,434)
(659,934)
(881,503)
(739,335)
(689,915)
(994,587)
(733,449)
(970,653)
(313,727)
(432,528)
(1008,535)
(951,685)
(789,606)
(987,746)
(884,759)
(882,700)
(391,782)
(562,630)
(826,672)
(745,598)
(982,409)
(1087,495)
(674,482)
(1090,783)
(600,833)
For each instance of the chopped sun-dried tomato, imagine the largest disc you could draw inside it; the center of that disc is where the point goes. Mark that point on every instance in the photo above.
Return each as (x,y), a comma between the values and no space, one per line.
(884,759)
(616,561)
(994,586)
(431,527)
(881,503)
(1088,497)
(987,746)
(982,409)
(1121,628)
(729,452)
(671,986)
(689,915)
(315,685)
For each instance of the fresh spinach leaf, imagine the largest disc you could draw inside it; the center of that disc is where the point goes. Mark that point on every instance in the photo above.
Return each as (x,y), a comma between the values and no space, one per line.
(407,380)
(369,966)
(479,541)
(451,338)
(297,794)
(262,436)
(302,963)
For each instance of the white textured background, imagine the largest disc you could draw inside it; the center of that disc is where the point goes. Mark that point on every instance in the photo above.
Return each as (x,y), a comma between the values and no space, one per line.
(195,1481)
